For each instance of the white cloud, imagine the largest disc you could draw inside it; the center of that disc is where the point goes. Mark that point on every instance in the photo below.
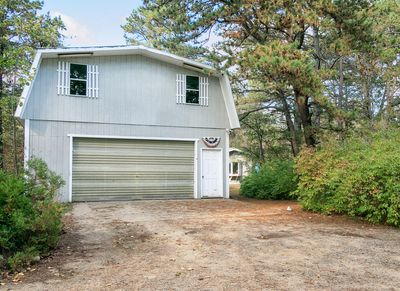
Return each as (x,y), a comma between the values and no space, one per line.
(76,33)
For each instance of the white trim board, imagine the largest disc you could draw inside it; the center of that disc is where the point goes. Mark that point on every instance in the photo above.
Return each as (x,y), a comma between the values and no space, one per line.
(71,145)
(134,124)
(196,164)
(26,141)
(125,50)
(132,137)
(28,87)
(226,177)
(229,102)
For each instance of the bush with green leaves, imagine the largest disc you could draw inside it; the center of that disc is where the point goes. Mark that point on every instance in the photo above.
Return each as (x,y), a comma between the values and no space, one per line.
(30,218)
(358,177)
(275,180)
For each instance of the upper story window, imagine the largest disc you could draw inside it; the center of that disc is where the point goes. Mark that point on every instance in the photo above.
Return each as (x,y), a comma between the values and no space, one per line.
(77,79)
(191,90)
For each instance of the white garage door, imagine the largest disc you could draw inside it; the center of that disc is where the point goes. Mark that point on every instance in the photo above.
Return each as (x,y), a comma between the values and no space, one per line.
(124,169)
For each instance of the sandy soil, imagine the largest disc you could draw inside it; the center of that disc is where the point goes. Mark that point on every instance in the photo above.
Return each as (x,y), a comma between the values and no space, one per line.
(215,245)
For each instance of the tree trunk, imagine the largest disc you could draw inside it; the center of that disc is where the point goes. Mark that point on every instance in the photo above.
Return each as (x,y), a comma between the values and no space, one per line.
(290,125)
(317,48)
(14,129)
(1,123)
(389,97)
(305,118)
(341,84)
(340,100)
(2,49)
(262,155)
(367,100)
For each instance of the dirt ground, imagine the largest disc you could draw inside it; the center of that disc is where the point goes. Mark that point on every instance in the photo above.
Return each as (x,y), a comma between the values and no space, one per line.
(215,245)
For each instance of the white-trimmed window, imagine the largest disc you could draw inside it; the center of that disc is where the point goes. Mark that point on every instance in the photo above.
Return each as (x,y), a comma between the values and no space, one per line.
(191,90)
(77,79)
(234,169)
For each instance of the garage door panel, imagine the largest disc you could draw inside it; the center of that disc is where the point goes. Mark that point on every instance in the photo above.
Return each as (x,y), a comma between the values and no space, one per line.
(134,152)
(127,197)
(124,167)
(121,145)
(116,169)
(132,161)
(97,194)
(133,175)
(135,185)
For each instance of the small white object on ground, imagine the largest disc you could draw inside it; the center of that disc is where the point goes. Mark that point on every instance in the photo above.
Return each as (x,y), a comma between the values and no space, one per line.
(289,208)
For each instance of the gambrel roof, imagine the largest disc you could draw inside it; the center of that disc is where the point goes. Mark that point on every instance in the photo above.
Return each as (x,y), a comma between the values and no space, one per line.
(132,50)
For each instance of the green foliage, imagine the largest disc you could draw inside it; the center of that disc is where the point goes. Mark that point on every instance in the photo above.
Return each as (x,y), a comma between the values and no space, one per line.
(24,28)
(360,177)
(153,34)
(275,180)
(30,218)
(293,66)
(260,137)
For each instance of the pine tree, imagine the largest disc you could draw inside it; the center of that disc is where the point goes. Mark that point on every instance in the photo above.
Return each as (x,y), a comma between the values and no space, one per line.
(22,30)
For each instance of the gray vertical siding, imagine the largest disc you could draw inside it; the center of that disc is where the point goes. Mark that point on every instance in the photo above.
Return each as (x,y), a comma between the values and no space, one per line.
(133,89)
(137,98)
(49,140)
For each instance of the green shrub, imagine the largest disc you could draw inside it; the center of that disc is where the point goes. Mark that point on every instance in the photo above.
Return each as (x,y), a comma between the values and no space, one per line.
(275,180)
(30,218)
(358,177)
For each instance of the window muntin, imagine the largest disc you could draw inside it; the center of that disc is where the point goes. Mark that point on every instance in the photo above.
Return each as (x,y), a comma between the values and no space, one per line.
(192,90)
(78,79)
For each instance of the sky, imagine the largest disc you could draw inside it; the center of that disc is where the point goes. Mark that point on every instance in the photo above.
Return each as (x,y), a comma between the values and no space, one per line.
(92,22)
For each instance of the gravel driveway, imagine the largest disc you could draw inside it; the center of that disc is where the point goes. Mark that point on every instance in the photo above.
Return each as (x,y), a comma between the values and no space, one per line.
(215,245)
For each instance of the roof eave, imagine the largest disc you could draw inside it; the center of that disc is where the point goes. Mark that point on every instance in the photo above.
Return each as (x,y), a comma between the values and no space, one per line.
(229,102)
(146,51)
(19,112)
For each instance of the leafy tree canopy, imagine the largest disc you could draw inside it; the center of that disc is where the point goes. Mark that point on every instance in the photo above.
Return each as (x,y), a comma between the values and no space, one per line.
(324,65)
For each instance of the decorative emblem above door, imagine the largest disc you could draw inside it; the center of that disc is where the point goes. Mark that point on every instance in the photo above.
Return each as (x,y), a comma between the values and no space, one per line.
(211,142)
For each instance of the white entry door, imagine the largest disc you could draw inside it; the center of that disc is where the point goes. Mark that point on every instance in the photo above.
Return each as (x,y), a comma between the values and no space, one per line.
(211,173)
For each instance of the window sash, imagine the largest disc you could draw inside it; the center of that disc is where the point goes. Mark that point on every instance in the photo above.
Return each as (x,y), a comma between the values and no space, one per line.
(78,80)
(192,81)
(234,168)
(192,90)
(192,98)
